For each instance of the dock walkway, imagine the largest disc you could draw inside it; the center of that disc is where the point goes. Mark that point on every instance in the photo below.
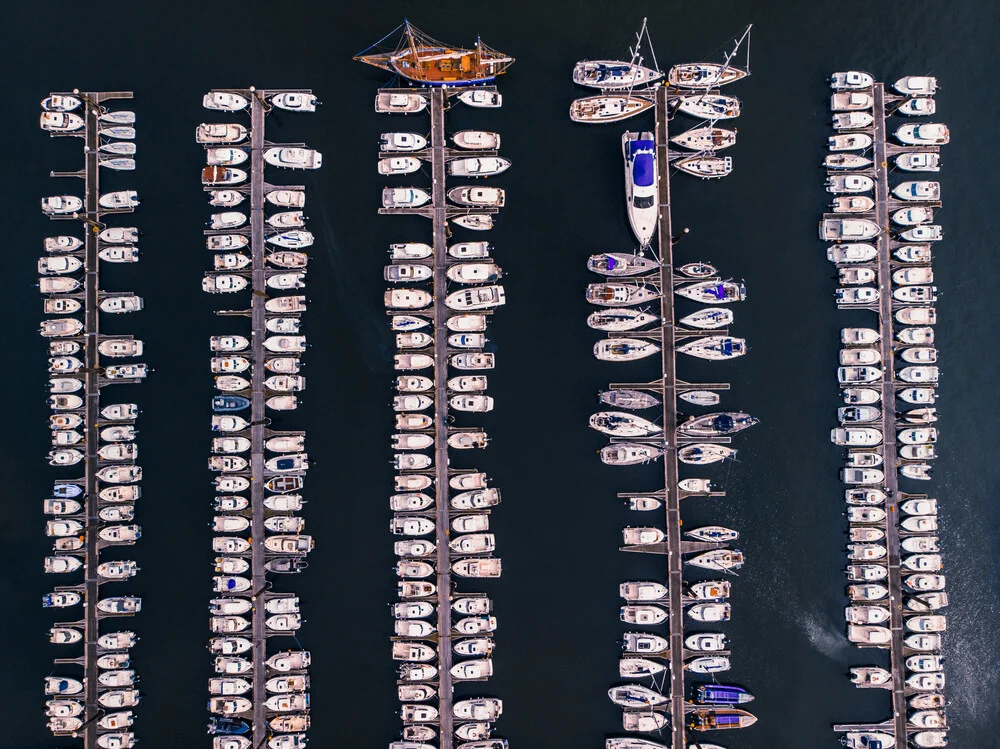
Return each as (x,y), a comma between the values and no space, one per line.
(93,380)
(884,265)
(259,431)
(440,212)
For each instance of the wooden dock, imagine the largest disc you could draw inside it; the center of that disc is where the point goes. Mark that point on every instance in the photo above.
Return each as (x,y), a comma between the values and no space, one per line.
(257,231)
(884,265)
(437,153)
(93,379)
(441,472)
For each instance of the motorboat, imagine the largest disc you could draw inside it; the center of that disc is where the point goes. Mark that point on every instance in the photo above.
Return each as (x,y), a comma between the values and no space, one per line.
(642,614)
(645,643)
(709,590)
(851,79)
(705,139)
(59,264)
(476,298)
(714,292)
(714,348)
(644,504)
(851,101)
(921,190)
(121,304)
(923,134)
(399,103)
(849,142)
(645,722)
(220,133)
(641,185)
(293,157)
(710,106)
(864,459)
(837,229)
(467,340)
(473,272)
(704,454)
(62,243)
(477,196)
(920,274)
(849,183)
(846,161)
(481,98)
(722,694)
(716,424)
(705,642)
(402,142)
(643,591)
(852,204)
(865,553)
(467,250)
(629,453)
(122,199)
(870,676)
(119,254)
(620,319)
(60,103)
(916,85)
(59,328)
(61,205)
(404,197)
(852,120)
(912,216)
(630,399)
(393,165)
(851,253)
(477,166)
(918,162)
(858,414)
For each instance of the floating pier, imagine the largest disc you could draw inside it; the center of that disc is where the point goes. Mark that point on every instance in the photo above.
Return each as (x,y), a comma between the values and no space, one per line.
(257,231)
(437,154)
(669,335)
(91,106)
(884,265)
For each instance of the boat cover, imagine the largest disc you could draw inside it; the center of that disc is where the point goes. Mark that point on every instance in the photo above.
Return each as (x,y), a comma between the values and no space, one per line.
(641,152)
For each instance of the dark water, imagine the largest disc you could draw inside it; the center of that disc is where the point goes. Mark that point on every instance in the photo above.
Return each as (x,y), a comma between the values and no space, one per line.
(558,528)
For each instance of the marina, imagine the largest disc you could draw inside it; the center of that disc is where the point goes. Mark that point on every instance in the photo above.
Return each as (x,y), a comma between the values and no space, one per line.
(259,695)
(94,511)
(441,324)
(902,556)
(699,440)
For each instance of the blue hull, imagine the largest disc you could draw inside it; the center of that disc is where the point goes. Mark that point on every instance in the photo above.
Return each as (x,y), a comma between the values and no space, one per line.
(225,403)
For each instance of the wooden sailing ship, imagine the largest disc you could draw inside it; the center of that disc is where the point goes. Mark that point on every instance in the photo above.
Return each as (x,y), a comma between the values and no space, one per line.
(421,59)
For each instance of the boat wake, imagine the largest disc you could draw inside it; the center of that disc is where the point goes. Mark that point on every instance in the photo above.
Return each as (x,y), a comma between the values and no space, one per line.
(827,638)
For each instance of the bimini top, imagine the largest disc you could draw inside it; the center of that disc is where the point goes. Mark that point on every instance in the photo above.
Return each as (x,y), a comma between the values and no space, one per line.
(421,59)
(641,153)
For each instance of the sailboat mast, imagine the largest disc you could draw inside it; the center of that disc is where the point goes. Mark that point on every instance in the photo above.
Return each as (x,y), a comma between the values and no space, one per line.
(656,65)
(413,46)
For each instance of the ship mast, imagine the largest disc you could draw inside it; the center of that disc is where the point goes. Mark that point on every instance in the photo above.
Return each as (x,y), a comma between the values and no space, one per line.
(409,37)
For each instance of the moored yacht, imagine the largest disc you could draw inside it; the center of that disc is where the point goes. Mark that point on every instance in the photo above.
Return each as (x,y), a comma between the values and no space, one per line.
(641,185)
